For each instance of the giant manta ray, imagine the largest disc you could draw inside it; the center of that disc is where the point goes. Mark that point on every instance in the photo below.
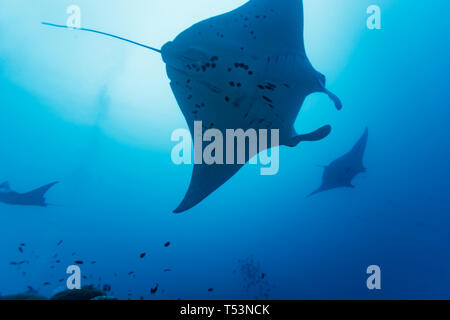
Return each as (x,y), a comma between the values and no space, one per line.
(245,69)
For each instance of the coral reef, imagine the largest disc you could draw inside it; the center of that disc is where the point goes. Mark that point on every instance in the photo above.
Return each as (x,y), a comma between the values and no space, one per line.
(85,293)
(24,296)
(104,298)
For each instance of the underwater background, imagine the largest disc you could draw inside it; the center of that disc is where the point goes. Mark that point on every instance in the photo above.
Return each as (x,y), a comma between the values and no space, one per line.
(96,114)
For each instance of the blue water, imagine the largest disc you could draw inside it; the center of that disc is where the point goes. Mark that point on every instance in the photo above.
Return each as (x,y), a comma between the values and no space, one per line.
(96,114)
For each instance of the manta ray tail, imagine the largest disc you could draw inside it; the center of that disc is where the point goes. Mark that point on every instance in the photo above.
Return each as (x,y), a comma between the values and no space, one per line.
(315,192)
(102,33)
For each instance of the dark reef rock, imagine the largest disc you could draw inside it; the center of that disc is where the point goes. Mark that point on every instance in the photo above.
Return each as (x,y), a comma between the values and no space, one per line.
(24,296)
(85,293)
(104,298)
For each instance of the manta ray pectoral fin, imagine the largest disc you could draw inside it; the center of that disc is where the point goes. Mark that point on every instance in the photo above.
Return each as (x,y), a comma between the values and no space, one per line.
(40,192)
(316,135)
(205,180)
(5,185)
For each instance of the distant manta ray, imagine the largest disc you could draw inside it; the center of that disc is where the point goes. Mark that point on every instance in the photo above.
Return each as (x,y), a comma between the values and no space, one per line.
(246,69)
(341,172)
(32,198)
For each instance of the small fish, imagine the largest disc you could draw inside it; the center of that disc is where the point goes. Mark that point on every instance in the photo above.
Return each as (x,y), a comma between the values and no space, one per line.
(263,275)
(106,288)
(130,273)
(142,255)
(167,270)
(22,244)
(60,280)
(79,262)
(93,262)
(73,253)
(167,244)
(153,290)
(210,290)
(47,283)
(58,261)
(20,249)
(59,243)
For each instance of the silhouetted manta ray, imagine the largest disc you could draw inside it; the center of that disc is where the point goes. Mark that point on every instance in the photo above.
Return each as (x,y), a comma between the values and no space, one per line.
(341,172)
(32,198)
(243,69)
